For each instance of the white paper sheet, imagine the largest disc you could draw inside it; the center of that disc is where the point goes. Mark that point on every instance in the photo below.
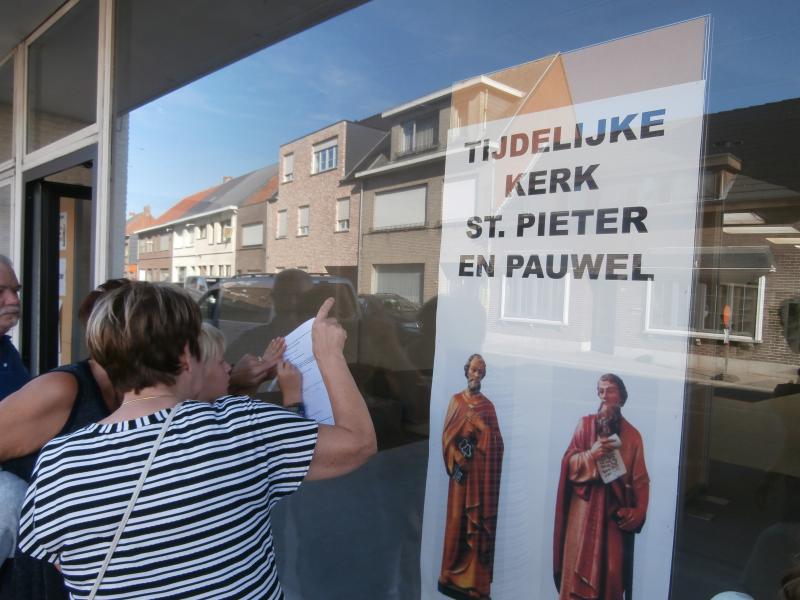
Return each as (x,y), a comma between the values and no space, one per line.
(316,403)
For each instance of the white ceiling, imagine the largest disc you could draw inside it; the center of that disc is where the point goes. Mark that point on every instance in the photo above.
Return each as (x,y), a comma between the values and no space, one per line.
(160,46)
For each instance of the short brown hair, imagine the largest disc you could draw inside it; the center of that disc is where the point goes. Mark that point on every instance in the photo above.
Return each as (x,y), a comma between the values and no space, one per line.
(138,333)
(92,297)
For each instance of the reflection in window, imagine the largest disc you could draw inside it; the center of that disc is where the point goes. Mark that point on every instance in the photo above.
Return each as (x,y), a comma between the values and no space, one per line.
(253,235)
(280,228)
(400,208)
(325,156)
(288,168)
(403,280)
(667,307)
(536,300)
(418,135)
(343,214)
(302,220)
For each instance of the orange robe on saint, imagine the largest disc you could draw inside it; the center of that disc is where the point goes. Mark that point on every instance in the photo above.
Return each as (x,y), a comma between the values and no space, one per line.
(589,548)
(473,456)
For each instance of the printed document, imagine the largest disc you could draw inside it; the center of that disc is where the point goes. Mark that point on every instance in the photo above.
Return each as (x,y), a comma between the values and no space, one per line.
(316,403)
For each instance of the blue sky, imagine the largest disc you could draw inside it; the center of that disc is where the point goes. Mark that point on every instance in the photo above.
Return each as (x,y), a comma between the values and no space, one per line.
(390,51)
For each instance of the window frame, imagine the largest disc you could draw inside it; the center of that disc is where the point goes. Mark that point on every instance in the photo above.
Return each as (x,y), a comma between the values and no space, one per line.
(299,232)
(710,335)
(338,221)
(321,150)
(278,234)
(563,321)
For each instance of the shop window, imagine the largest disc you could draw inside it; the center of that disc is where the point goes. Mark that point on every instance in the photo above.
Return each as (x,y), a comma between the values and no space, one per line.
(62,64)
(6,109)
(400,208)
(325,156)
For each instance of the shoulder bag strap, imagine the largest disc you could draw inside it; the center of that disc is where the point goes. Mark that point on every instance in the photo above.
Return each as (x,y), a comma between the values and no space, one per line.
(132,502)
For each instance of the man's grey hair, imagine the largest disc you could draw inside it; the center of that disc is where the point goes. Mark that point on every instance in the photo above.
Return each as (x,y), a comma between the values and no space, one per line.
(6,262)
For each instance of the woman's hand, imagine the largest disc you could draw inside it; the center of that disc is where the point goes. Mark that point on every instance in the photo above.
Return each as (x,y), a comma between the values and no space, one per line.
(251,371)
(327,336)
(273,353)
(291,382)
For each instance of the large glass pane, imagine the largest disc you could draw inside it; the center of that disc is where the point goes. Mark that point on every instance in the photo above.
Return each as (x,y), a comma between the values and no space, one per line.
(703,326)
(62,77)
(6,109)
(5,217)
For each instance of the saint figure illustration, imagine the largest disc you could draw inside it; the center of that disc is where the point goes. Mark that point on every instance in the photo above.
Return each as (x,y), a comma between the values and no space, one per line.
(473,457)
(602,502)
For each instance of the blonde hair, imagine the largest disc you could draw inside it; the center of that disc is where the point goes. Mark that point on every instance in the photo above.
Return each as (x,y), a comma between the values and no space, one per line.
(212,343)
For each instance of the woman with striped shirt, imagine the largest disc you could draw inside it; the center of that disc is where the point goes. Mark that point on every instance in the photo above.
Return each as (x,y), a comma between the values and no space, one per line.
(200,527)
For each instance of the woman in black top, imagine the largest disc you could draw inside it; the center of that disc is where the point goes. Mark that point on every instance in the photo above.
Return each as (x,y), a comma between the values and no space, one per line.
(56,403)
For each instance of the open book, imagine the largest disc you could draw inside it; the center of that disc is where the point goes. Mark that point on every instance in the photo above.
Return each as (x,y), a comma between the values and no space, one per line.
(610,465)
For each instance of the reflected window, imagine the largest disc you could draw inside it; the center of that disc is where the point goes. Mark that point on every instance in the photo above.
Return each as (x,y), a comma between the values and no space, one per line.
(418,135)
(400,208)
(62,77)
(403,280)
(6,109)
(288,168)
(325,156)
(343,214)
(302,221)
(253,235)
(280,229)
(536,300)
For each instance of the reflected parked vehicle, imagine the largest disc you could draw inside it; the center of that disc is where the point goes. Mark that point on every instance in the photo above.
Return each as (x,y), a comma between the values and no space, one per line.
(401,311)
(241,304)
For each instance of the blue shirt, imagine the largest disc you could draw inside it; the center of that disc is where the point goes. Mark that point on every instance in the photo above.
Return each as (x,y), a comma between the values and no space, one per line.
(13,374)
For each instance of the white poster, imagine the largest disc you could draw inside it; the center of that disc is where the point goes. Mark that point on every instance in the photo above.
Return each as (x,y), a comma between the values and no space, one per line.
(565,287)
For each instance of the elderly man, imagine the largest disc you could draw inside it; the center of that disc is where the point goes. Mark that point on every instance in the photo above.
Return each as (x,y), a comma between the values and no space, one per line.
(597,511)
(13,375)
(473,457)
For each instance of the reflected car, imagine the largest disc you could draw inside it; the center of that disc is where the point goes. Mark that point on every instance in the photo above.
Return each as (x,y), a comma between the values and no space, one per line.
(240,304)
(396,308)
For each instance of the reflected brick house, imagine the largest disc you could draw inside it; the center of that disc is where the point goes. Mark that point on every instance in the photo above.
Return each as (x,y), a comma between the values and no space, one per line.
(314,220)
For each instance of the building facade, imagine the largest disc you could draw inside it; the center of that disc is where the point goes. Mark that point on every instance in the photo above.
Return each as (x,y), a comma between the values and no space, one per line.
(314,220)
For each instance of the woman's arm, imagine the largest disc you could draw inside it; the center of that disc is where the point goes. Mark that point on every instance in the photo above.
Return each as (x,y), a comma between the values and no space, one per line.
(348,444)
(35,414)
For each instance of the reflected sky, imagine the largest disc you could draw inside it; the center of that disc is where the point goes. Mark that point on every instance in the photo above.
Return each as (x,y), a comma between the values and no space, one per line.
(391,51)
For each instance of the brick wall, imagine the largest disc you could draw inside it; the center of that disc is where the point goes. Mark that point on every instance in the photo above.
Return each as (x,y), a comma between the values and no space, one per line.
(323,246)
(419,245)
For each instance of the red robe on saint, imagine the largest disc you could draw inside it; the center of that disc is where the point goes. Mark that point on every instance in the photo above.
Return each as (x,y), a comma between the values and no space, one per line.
(588,545)
(473,457)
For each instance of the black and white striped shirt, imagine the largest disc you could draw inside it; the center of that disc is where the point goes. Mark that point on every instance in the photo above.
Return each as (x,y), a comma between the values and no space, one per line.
(201,525)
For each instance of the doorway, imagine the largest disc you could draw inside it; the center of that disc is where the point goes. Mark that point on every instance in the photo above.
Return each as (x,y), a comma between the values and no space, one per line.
(57,261)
